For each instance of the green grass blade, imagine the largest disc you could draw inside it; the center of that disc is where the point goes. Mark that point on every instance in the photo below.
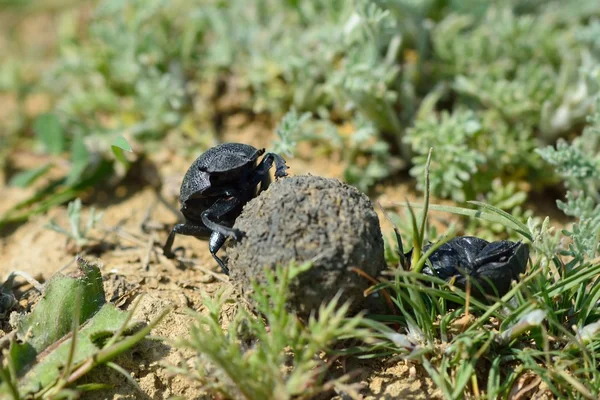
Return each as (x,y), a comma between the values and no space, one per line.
(583,276)
(468,212)
(26,178)
(522,227)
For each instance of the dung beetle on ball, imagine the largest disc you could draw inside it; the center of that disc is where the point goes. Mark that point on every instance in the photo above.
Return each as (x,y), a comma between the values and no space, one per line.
(215,189)
(490,265)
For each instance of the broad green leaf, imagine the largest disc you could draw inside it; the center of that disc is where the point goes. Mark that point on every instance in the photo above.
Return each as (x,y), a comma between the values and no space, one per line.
(52,317)
(118,146)
(45,371)
(121,143)
(26,178)
(48,130)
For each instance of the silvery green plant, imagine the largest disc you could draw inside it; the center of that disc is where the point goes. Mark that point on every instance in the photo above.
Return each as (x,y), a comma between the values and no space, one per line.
(523,69)
(525,66)
(77,231)
(290,131)
(578,163)
(456,164)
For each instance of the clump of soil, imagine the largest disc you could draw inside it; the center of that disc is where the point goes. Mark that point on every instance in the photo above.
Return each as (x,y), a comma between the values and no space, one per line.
(309,218)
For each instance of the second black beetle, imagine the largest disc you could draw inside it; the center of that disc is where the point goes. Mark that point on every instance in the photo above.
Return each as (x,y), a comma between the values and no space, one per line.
(216,188)
(491,266)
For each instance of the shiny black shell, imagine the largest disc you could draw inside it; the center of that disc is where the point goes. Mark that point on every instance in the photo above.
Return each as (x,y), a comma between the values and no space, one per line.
(220,166)
(490,265)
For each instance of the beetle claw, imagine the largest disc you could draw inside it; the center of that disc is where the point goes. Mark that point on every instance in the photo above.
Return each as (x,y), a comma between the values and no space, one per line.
(238,235)
(171,254)
(281,172)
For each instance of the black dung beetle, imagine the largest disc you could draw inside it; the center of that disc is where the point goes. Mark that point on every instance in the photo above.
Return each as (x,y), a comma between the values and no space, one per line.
(490,266)
(216,188)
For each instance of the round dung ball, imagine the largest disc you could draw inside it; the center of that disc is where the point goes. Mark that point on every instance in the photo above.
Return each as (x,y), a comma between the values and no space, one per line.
(303,218)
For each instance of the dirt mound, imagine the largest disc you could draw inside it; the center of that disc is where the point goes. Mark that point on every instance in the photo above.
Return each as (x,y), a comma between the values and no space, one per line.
(310,218)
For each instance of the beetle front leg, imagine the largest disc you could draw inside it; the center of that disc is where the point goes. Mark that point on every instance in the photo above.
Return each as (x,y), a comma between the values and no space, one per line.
(280,166)
(197,231)
(218,210)
(215,243)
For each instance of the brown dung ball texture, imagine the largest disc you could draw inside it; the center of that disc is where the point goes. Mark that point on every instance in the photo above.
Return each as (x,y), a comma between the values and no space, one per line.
(303,218)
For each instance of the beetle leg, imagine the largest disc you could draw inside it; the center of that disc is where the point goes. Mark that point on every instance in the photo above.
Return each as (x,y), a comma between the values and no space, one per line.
(216,211)
(184,229)
(265,181)
(260,175)
(216,241)
(280,165)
